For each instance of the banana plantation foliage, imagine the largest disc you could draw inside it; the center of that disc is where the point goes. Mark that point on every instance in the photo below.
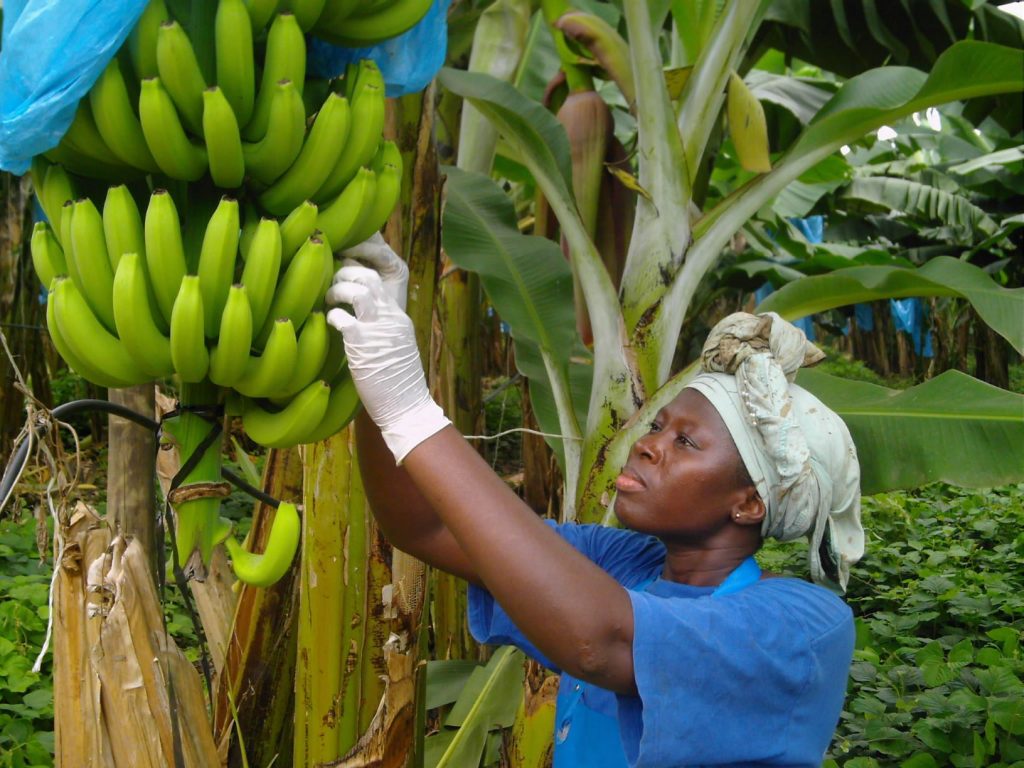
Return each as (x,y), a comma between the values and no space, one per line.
(582,191)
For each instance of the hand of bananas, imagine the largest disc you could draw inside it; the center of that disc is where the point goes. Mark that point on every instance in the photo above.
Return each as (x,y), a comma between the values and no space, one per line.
(227,296)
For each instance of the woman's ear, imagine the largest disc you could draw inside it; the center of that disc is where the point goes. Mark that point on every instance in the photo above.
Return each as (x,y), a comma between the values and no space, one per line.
(750,510)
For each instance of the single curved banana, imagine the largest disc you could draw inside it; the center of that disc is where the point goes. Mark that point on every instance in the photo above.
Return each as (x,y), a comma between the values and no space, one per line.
(234,57)
(142,41)
(335,359)
(318,156)
(282,544)
(260,13)
(97,373)
(47,256)
(188,345)
(88,340)
(122,225)
(165,253)
(53,189)
(217,262)
(307,12)
(67,212)
(269,373)
(343,214)
(172,149)
(313,345)
(285,60)
(300,287)
(180,74)
(284,428)
(388,167)
(250,223)
(357,31)
(268,158)
(84,138)
(223,140)
(342,406)
(262,266)
(88,251)
(229,357)
(116,120)
(134,315)
(364,138)
(297,226)
(334,13)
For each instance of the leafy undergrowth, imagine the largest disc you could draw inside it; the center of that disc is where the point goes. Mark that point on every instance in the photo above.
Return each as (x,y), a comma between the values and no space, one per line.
(939,601)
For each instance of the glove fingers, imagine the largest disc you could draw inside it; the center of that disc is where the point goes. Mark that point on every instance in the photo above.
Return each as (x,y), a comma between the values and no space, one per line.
(361,297)
(378,254)
(340,319)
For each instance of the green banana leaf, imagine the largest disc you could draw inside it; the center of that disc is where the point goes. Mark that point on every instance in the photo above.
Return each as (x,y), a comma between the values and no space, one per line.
(1002,308)
(952,428)
(968,222)
(489,700)
(526,278)
(446,679)
(801,97)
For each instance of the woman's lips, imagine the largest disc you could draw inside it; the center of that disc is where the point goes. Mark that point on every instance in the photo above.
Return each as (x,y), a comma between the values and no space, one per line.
(629,480)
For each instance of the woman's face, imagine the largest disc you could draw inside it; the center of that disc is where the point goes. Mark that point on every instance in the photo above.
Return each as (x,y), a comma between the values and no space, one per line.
(682,481)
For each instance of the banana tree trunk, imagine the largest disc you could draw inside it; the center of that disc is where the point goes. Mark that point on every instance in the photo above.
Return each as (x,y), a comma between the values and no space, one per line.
(254,693)
(130,453)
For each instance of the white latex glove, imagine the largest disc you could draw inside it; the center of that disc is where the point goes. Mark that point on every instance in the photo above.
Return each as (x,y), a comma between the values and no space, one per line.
(384,361)
(376,253)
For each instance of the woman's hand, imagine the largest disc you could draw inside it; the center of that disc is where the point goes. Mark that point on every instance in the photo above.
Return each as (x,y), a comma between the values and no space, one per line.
(382,355)
(376,253)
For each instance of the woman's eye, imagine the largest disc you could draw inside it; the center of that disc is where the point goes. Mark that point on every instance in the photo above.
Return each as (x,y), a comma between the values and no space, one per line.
(655,427)
(684,440)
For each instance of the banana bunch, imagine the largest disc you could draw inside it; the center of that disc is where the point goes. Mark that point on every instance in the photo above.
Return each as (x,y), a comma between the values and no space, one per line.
(126,306)
(358,23)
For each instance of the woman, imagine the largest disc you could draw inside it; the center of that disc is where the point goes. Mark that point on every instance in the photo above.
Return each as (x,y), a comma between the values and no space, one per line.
(674,649)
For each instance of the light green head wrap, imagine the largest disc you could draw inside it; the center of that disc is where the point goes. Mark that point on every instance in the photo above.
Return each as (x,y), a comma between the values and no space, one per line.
(798,452)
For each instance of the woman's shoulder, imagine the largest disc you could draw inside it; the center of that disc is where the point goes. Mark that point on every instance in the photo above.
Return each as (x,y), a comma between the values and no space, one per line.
(818,609)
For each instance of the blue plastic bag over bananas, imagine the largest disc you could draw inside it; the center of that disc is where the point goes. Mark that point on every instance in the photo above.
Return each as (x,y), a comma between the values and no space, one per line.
(53,51)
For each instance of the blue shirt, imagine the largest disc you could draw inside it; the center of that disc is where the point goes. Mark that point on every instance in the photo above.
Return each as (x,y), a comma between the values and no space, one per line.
(755,677)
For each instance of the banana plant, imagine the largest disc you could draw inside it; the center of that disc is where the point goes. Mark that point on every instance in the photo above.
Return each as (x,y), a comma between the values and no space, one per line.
(674,243)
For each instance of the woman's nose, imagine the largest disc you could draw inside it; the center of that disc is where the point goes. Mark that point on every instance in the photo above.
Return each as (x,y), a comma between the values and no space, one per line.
(647,448)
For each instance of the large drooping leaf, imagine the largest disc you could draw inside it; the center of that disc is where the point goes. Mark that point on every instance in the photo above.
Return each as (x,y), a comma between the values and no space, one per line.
(967,221)
(1002,308)
(799,96)
(952,428)
(526,279)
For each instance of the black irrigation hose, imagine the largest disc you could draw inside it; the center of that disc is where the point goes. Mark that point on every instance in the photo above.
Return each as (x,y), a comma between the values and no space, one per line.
(20,456)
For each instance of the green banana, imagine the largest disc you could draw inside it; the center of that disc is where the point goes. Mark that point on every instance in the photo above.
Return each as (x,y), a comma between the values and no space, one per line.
(223,141)
(229,357)
(377,25)
(181,75)
(365,137)
(300,287)
(343,215)
(122,225)
(318,156)
(142,41)
(285,60)
(335,359)
(134,315)
(234,55)
(388,167)
(334,13)
(47,256)
(268,158)
(262,265)
(250,223)
(313,345)
(217,262)
(297,226)
(282,544)
(188,347)
(53,189)
(87,339)
(307,12)
(284,428)
(260,12)
(269,373)
(83,137)
(342,406)
(67,212)
(97,374)
(116,120)
(172,149)
(165,254)
(91,264)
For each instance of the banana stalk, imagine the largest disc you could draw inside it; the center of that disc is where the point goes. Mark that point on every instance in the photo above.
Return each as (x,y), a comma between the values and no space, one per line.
(530,743)
(258,673)
(197,500)
(605,44)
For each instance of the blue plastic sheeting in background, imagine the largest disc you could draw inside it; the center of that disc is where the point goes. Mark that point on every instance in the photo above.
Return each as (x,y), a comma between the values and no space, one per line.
(53,51)
(811,227)
(408,62)
(864,317)
(805,324)
(908,316)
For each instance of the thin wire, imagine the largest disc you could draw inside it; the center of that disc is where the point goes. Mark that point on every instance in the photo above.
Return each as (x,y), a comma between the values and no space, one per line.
(519,429)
